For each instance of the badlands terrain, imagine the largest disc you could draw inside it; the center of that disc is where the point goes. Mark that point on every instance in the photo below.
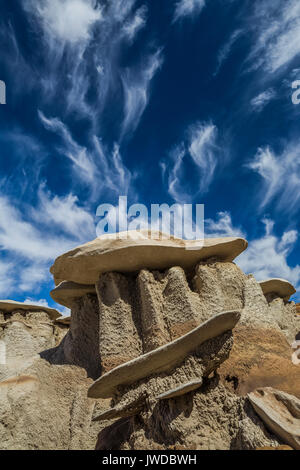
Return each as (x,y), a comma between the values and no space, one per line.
(169,346)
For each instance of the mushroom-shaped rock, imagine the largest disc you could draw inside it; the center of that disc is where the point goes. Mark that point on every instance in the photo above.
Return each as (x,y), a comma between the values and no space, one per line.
(163,358)
(181,390)
(280,412)
(281,287)
(67,293)
(10,306)
(133,251)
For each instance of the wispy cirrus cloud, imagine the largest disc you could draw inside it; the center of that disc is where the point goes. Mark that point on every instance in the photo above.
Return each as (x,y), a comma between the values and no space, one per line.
(173,171)
(203,150)
(93,162)
(83,163)
(280,176)
(225,50)
(83,43)
(134,24)
(136,86)
(276,28)
(200,148)
(222,227)
(188,8)
(262,99)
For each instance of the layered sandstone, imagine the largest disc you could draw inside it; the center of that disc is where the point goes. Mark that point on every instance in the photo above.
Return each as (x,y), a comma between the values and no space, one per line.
(165,340)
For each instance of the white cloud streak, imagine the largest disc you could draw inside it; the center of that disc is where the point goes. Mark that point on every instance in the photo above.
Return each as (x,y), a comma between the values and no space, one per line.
(82,161)
(188,8)
(200,148)
(93,164)
(136,86)
(226,49)
(71,31)
(276,28)
(134,24)
(222,227)
(261,100)
(280,175)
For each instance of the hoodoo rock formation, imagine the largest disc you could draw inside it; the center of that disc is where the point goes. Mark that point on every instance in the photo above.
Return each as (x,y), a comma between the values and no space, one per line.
(133,251)
(169,346)
(279,287)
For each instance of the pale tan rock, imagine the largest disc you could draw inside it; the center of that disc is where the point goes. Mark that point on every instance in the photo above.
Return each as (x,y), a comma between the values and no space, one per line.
(182,309)
(54,412)
(119,340)
(11,306)
(197,365)
(46,408)
(210,418)
(144,396)
(24,334)
(80,346)
(67,293)
(163,358)
(181,390)
(44,402)
(280,412)
(285,314)
(260,357)
(151,288)
(124,411)
(140,313)
(106,254)
(64,321)
(220,286)
(281,287)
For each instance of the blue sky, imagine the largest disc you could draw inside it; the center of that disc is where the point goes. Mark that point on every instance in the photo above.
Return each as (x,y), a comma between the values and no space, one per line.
(185,101)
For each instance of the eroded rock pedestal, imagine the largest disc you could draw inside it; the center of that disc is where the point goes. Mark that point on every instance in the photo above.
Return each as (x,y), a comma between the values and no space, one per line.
(164,345)
(41,406)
